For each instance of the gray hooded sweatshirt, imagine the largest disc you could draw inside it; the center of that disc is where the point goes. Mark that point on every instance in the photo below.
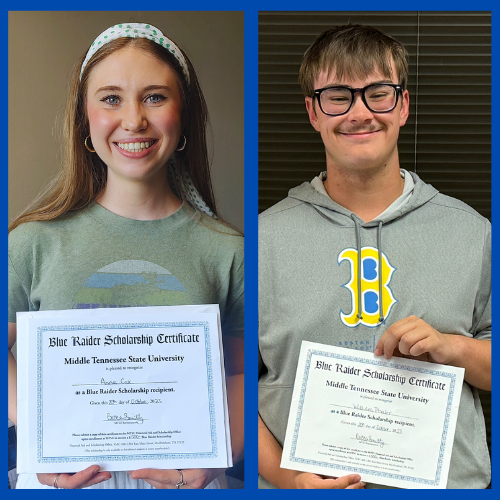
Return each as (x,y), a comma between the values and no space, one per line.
(436,265)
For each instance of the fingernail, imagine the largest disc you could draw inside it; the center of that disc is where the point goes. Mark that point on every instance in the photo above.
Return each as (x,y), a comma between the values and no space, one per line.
(96,470)
(377,352)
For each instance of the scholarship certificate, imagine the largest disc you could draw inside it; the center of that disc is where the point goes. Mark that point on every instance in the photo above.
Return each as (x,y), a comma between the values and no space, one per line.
(124,388)
(391,421)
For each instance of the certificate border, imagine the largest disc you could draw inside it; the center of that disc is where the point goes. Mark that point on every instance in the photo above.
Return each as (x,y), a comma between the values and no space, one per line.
(347,357)
(120,458)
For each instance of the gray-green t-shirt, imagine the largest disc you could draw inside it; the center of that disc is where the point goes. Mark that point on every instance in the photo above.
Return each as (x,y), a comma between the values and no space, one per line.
(94,258)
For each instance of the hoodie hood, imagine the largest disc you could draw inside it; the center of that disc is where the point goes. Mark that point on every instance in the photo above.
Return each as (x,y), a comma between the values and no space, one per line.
(422,193)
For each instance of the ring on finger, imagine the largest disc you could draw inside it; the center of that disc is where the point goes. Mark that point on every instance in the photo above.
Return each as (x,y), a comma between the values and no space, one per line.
(55,482)
(181,481)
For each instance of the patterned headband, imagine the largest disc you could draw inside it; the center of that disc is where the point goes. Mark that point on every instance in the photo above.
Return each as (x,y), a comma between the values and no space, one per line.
(137,30)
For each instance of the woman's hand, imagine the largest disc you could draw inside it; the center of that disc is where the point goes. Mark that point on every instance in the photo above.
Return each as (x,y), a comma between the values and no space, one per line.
(91,475)
(307,480)
(168,479)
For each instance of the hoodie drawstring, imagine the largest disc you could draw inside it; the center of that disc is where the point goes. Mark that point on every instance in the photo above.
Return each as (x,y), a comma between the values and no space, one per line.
(358,248)
(380,267)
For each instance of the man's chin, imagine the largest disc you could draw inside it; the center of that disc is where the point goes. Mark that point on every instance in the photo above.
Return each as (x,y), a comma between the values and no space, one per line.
(363,163)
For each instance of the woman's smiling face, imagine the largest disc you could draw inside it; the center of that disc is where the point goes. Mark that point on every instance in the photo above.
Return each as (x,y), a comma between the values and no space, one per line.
(134,109)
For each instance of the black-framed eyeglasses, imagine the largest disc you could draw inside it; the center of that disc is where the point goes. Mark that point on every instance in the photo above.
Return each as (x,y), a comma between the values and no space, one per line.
(378,98)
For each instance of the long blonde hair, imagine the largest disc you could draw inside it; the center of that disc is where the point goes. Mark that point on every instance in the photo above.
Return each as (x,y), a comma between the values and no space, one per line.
(83,174)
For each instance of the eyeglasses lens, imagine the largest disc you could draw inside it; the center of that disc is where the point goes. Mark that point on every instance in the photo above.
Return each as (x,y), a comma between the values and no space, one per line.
(379,98)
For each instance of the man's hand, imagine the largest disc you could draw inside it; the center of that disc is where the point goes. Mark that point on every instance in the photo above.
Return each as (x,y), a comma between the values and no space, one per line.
(167,479)
(308,481)
(413,337)
(91,475)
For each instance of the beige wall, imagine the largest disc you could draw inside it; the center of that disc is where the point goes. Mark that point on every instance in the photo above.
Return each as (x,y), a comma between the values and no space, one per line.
(44,46)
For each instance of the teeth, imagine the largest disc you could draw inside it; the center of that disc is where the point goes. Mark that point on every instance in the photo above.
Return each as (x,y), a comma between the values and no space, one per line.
(134,147)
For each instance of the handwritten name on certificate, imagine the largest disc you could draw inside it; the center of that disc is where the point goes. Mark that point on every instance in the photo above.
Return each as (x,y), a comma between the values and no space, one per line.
(124,388)
(391,421)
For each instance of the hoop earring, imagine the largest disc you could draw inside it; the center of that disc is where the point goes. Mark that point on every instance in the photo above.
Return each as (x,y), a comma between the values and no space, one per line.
(86,145)
(184,145)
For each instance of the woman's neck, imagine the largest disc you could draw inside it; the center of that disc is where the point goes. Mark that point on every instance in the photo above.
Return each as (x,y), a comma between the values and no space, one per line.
(139,200)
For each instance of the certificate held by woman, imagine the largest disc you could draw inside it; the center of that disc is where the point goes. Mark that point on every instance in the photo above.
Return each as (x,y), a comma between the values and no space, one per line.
(123,388)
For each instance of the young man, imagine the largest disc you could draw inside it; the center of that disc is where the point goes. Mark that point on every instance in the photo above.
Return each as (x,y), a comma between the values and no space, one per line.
(424,257)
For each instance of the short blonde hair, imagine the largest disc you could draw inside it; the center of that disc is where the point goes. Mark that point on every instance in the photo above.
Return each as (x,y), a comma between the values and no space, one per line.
(353,51)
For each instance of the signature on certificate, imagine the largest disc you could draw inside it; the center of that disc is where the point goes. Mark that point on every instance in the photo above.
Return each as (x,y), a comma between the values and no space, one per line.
(368,439)
(125,417)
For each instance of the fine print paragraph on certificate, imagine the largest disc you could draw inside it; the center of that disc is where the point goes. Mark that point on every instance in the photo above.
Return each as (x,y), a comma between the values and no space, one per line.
(391,421)
(123,388)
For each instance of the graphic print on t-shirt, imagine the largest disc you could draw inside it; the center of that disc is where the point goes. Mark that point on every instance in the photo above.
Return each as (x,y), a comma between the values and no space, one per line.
(127,283)
(373,278)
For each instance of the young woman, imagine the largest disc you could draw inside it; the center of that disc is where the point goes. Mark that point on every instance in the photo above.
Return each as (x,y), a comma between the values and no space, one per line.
(134,199)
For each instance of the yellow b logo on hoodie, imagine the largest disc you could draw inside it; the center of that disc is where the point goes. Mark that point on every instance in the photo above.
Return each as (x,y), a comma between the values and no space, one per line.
(366,286)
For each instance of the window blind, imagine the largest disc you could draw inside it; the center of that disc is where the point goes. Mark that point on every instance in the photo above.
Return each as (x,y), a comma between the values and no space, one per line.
(447,139)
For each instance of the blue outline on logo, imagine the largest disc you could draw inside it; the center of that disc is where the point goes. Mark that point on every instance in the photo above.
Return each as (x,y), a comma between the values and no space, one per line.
(351,292)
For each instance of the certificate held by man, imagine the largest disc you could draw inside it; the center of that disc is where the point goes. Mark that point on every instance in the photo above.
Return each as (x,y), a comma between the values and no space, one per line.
(122,388)
(390,421)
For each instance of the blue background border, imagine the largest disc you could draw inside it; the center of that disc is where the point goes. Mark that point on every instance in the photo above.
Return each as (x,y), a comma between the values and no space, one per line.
(251,176)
